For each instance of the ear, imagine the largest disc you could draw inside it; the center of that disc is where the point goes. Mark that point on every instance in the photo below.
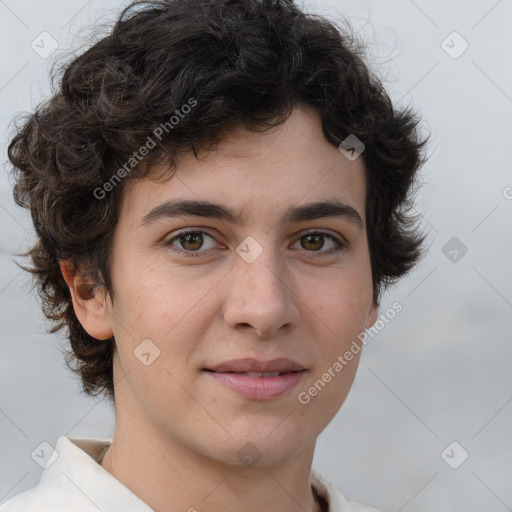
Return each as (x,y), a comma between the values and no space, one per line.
(372,315)
(89,302)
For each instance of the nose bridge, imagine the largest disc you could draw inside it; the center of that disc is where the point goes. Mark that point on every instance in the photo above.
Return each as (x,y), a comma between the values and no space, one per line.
(265,273)
(259,294)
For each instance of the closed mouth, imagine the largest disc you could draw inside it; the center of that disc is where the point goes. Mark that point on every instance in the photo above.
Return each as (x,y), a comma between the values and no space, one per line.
(258,374)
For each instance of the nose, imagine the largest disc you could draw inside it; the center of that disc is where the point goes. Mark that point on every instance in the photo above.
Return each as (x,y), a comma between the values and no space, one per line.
(261,299)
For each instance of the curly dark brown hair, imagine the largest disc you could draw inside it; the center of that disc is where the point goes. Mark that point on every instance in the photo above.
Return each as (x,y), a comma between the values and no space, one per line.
(239,63)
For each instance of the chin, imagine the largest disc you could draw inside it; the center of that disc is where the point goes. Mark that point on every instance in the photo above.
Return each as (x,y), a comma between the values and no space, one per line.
(259,448)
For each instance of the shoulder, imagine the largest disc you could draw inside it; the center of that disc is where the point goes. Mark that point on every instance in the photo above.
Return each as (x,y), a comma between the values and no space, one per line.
(19,502)
(63,482)
(47,498)
(337,502)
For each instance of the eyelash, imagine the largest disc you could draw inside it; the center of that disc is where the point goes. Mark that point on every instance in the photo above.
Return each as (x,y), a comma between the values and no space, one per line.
(340,245)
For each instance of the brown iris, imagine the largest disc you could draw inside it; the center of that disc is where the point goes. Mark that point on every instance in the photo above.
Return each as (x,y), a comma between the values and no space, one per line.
(191,241)
(315,242)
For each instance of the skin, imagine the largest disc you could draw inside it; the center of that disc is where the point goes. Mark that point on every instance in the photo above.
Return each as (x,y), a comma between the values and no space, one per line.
(178,431)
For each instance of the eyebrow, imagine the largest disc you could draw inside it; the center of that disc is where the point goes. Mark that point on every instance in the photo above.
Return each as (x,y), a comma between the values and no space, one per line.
(310,211)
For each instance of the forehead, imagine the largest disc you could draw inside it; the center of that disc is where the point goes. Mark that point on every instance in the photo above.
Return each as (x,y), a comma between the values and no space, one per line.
(266,172)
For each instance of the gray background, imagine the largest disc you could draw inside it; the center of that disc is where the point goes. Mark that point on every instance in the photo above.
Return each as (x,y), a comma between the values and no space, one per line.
(437,373)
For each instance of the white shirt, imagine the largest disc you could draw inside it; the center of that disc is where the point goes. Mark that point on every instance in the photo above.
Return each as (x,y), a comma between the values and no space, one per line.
(75,482)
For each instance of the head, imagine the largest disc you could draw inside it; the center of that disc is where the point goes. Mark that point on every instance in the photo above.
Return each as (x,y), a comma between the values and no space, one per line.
(242,104)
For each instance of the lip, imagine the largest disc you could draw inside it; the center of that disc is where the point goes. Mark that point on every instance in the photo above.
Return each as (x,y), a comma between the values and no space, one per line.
(280,364)
(258,388)
(233,374)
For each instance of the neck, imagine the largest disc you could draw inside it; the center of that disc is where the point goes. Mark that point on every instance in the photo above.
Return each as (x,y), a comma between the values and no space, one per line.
(168,475)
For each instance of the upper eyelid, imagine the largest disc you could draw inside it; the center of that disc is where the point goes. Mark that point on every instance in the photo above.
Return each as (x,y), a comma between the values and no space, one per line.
(338,237)
(186,231)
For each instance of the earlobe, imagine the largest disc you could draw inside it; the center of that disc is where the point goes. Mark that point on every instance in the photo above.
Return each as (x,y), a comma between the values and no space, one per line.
(89,302)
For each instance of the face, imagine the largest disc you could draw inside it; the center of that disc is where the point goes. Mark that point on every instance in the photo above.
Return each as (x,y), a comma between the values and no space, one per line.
(262,275)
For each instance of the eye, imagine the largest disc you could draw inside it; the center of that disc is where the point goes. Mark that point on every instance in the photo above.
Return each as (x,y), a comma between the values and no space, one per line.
(313,241)
(191,241)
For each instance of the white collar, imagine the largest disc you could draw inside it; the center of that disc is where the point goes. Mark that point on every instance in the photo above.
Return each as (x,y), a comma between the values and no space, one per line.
(76,481)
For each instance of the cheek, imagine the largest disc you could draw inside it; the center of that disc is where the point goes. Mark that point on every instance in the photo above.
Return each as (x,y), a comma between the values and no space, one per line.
(155,293)
(167,307)
(340,303)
